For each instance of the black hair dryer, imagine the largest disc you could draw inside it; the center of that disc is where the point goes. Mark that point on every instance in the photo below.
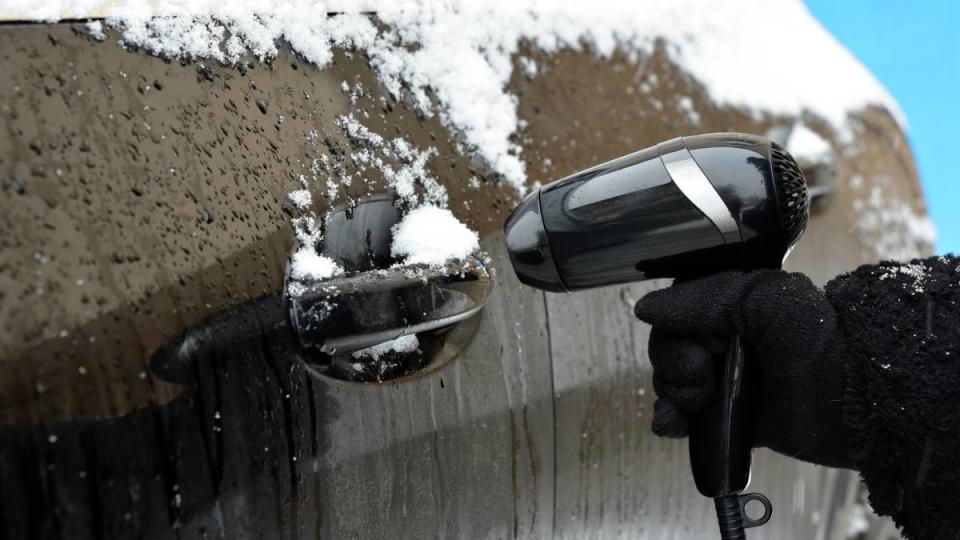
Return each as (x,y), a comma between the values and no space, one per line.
(688,207)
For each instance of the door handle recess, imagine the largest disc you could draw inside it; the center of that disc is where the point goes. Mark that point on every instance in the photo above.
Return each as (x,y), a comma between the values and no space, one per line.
(373,302)
(353,312)
(337,316)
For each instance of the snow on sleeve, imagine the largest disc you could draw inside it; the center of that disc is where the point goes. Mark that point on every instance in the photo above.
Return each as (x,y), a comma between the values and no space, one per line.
(433,236)
(917,272)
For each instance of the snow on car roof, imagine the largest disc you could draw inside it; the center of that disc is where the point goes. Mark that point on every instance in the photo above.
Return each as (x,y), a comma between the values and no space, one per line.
(767,56)
(455,58)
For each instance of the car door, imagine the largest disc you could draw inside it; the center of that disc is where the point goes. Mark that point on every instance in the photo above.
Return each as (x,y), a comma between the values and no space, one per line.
(156,386)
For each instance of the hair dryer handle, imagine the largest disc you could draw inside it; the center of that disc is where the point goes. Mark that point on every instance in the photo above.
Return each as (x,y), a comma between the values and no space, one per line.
(721,436)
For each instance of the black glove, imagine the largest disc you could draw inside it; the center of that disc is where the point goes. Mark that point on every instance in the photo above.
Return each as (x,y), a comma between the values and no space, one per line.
(786,324)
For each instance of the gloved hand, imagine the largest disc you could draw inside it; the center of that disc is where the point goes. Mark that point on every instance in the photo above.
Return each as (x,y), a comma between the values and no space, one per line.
(786,324)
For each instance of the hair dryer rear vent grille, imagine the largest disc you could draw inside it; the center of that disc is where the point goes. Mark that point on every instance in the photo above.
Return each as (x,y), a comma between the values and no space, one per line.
(791,192)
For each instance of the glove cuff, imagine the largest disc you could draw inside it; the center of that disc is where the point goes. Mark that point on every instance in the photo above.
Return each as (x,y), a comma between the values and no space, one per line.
(902,386)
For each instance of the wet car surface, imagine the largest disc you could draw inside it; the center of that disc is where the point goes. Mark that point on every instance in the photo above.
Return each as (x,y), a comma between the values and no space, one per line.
(144,203)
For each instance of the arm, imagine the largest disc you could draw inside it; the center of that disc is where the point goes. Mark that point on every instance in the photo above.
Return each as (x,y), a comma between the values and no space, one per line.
(865,376)
(902,398)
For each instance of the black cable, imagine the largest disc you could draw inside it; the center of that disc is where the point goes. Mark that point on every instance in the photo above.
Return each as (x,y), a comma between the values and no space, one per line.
(730,517)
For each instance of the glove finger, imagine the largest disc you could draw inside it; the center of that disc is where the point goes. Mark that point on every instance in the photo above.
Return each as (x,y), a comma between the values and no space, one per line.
(701,306)
(679,360)
(689,398)
(668,421)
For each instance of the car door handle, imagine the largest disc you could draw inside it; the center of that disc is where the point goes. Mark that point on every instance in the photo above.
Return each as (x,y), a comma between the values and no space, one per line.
(338,316)
(374,301)
(352,312)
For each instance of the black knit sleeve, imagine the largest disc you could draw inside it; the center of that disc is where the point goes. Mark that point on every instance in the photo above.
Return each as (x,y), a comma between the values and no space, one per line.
(902,399)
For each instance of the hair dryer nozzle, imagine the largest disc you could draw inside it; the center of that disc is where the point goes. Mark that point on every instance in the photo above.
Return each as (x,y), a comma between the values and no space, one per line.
(792,196)
(529,248)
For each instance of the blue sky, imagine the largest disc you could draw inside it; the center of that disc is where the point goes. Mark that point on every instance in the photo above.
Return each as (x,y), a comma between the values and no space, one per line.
(914,49)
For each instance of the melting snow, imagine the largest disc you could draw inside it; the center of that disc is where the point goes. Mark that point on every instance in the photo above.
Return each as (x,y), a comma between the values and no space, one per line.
(300,198)
(806,145)
(455,56)
(428,234)
(411,163)
(95,29)
(307,264)
(857,521)
(529,66)
(357,131)
(433,236)
(403,344)
(685,104)
(888,224)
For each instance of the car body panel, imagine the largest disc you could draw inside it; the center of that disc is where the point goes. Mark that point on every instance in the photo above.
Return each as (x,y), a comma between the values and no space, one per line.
(135,211)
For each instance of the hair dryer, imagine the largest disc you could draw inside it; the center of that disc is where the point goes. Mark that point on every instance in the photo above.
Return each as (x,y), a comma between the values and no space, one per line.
(688,207)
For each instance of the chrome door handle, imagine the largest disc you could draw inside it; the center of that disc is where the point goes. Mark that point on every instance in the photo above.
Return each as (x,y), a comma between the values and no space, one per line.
(352,312)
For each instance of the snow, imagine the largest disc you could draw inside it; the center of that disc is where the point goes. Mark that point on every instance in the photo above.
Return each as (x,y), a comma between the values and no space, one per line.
(887,223)
(300,198)
(917,272)
(685,105)
(857,523)
(454,57)
(409,167)
(403,344)
(433,236)
(428,234)
(306,264)
(357,131)
(806,145)
(529,66)
(355,93)
(95,29)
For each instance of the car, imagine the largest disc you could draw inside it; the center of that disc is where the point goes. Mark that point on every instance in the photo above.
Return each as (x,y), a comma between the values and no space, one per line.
(169,373)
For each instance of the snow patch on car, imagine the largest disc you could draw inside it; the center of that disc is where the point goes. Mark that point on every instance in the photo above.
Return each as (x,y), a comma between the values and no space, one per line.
(403,344)
(807,145)
(306,263)
(455,57)
(887,223)
(432,236)
(410,169)
(429,234)
(301,198)
(95,29)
